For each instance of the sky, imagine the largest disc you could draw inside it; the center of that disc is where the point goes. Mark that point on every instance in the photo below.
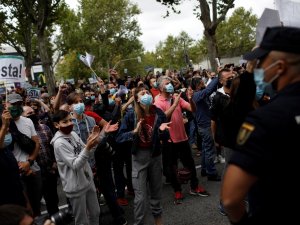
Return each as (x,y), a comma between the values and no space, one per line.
(155,28)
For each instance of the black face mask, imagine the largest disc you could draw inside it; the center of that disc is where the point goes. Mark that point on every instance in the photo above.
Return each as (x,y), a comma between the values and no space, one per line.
(34,119)
(228,83)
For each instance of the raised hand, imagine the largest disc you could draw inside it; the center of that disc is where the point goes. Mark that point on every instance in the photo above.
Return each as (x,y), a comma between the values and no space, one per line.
(189,93)
(165,126)
(62,87)
(6,118)
(111,128)
(93,138)
(177,98)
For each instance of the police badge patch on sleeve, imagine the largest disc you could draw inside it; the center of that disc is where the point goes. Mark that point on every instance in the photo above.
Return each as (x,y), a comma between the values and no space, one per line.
(244,133)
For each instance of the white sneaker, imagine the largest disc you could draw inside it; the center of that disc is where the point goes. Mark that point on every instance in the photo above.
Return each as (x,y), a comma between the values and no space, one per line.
(43,202)
(221,159)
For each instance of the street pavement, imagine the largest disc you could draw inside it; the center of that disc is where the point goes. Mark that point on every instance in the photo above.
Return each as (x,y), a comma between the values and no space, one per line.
(195,210)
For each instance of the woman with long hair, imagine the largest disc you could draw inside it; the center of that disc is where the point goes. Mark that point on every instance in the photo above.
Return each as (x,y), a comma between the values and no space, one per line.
(145,126)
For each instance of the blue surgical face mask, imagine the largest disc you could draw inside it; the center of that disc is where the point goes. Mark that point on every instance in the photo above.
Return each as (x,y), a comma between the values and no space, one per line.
(78,108)
(7,140)
(112,91)
(169,88)
(146,99)
(111,102)
(92,97)
(155,85)
(259,75)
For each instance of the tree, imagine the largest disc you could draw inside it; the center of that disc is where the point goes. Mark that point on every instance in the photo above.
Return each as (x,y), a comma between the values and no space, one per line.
(211,13)
(43,14)
(236,35)
(16,30)
(174,51)
(106,29)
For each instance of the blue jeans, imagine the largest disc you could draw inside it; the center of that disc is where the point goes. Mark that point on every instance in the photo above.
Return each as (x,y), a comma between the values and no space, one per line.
(208,151)
(192,132)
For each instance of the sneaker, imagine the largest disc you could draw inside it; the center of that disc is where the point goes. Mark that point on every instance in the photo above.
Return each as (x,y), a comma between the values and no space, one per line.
(178,198)
(222,210)
(101,199)
(199,191)
(219,159)
(122,201)
(215,177)
(43,202)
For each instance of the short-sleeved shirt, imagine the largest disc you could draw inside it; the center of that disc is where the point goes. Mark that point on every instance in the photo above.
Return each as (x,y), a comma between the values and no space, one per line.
(25,126)
(177,130)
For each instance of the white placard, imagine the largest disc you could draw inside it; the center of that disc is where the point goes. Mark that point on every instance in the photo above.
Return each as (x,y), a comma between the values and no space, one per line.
(92,80)
(12,69)
(289,12)
(269,18)
(71,81)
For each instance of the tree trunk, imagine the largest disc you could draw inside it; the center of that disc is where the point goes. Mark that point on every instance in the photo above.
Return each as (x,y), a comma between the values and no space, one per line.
(212,49)
(28,72)
(46,62)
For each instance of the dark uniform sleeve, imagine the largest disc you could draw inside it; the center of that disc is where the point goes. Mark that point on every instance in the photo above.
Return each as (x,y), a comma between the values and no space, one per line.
(251,150)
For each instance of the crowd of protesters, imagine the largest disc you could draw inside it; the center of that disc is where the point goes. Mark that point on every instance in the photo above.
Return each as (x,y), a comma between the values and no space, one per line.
(140,123)
(147,126)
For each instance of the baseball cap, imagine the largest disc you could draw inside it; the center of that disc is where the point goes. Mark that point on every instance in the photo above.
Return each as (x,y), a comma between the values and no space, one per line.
(283,39)
(13,98)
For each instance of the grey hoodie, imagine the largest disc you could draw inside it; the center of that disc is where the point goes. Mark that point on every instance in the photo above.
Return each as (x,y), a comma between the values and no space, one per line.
(72,161)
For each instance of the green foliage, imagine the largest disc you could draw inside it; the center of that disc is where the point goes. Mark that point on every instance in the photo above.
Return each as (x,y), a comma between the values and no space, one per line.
(72,67)
(236,35)
(15,26)
(106,29)
(170,54)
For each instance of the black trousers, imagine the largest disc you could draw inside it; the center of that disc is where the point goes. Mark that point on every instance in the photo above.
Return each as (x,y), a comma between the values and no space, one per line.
(180,151)
(49,191)
(122,157)
(106,183)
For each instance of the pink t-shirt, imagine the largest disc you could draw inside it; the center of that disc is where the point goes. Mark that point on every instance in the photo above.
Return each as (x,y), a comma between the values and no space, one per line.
(177,130)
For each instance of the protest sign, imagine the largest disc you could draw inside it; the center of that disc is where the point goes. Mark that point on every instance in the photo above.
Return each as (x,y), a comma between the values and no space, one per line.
(289,12)
(12,68)
(92,80)
(33,93)
(71,81)
(2,90)
(269,18)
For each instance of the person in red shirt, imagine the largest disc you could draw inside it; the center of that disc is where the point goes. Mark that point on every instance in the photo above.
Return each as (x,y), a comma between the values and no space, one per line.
(154,88)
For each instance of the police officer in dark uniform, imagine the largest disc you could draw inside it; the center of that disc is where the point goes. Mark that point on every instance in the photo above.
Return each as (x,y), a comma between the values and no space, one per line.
(264,169)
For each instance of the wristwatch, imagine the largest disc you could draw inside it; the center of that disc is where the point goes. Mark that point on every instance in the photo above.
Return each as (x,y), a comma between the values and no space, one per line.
(30,162)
